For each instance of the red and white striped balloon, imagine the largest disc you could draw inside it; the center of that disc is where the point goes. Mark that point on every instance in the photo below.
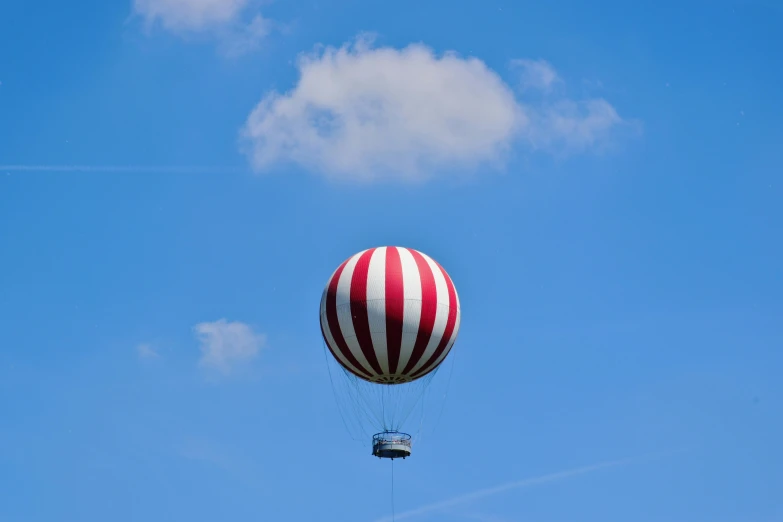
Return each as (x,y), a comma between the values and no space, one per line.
(390,314)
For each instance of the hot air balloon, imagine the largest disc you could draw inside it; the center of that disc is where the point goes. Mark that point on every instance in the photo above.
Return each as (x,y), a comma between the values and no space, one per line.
(389,317)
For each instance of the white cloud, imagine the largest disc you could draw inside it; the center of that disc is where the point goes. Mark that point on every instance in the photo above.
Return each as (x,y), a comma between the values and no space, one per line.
(145,351)
(190,15)
(363,113)
(227,345)
(536,74)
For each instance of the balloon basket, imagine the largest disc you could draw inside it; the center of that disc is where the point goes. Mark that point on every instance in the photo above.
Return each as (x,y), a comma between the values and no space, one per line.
(391,445)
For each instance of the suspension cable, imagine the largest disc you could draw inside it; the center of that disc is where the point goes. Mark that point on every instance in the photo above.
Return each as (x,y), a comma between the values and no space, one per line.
(392,488)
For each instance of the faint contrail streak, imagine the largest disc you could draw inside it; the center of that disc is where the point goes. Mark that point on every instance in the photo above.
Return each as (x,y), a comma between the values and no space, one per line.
(160,169)
(552,477)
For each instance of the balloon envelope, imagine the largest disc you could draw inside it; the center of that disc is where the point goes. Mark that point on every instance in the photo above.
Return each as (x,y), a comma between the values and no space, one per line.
(390,315)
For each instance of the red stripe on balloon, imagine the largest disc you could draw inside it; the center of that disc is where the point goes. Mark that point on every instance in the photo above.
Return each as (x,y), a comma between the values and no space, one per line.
(395,307)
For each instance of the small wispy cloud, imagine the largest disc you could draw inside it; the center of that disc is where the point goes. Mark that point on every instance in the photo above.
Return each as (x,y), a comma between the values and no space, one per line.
(227,345)
(536,74)
(567,125)
(147,352)
(476,495)
(141,169)
(189,15)
(247,38)
(234,23)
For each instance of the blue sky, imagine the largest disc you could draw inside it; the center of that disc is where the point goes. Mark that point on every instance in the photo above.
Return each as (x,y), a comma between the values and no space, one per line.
(601,181)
